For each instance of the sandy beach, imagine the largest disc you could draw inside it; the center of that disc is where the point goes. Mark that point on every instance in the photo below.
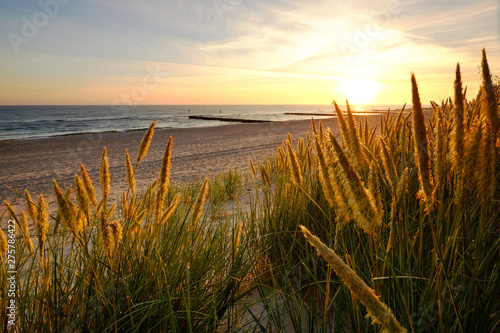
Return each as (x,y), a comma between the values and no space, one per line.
(197,152)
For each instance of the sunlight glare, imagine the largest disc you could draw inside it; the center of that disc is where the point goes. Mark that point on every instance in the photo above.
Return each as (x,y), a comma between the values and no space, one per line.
(359,91)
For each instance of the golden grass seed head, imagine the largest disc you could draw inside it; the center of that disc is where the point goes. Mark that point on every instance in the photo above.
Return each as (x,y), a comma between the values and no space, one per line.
(73,217)
(399,120)
(252,167)
(58,193)
(200,202)
(107,233)
(310,160)
(76,218)
(308,143)
(421,149)
(488,98)
(381,313)
(26,232)
(130,172)
(68,212)
(30,206)
(104,175)
(146,141)
(82,196)
(3,245)
(165,167)
(353,138)
(308,139)
(42,223)
(170,210)
(388,162)
(313,126)
(458,132)
(88,185)
(321,130)
(237,239)
(82,220)
(301,146)
(117,230)
(62,209)
(264,175)
(11,211)
(163,178)
(281,158)
(344,130)
(439,152)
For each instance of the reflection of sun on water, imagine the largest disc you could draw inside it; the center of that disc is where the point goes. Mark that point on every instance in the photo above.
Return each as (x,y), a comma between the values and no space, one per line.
(359,91)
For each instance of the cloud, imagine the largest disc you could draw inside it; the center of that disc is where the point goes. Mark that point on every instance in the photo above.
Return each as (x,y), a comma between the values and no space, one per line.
(241,42)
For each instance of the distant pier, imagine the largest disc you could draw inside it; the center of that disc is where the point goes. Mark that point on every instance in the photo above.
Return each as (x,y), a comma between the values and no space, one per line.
(310,114)
(233,120)
(364,113)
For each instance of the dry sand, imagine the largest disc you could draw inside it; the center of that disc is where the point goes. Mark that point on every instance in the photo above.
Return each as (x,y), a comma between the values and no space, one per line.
(197,152)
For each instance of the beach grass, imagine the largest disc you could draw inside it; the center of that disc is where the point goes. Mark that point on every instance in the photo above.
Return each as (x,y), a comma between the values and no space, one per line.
(398,223)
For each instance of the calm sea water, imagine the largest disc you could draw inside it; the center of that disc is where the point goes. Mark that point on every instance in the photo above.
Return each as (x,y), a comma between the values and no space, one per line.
(30,122)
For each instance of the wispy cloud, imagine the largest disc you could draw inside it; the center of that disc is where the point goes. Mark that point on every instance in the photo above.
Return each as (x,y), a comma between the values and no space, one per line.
(240,43)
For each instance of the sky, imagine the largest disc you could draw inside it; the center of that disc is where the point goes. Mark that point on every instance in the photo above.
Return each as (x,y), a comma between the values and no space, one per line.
(139,52)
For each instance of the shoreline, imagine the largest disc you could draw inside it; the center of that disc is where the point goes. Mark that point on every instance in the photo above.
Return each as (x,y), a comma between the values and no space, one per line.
(82,120)
(197,152)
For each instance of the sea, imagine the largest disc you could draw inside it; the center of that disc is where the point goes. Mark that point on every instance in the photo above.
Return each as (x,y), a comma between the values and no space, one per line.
(32,122)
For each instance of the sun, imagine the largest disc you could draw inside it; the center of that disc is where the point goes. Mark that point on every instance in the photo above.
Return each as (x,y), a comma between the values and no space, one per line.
(359,91)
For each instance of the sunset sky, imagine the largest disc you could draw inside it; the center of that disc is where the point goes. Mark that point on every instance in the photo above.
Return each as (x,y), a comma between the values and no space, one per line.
(240,51)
